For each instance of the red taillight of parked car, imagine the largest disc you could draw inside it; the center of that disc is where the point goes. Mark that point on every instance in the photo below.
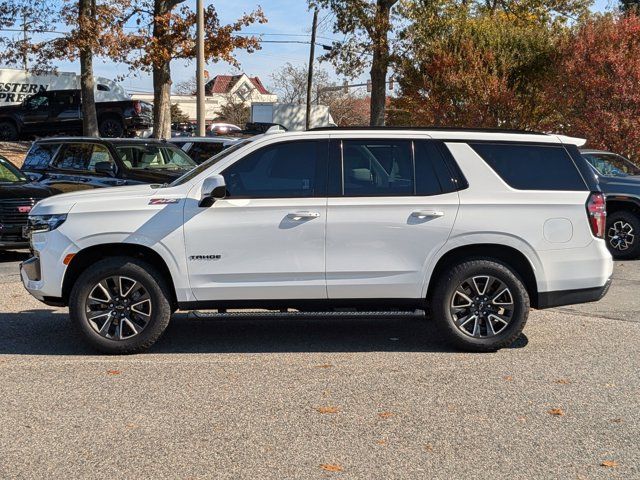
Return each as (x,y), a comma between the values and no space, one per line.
(137,107)
(597,211)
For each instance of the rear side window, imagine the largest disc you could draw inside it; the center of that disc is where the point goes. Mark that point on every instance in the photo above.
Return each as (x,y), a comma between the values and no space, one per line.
(40,156)
(532,167)
(82,157)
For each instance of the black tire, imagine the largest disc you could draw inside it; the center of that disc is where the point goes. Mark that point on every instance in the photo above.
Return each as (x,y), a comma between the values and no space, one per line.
(111,127)
(8,131)
(156,292)
(623,235)
(445,296)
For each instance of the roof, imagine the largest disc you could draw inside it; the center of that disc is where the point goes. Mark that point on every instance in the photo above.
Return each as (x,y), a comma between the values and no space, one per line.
(219,139)
(99,139)
(225,83)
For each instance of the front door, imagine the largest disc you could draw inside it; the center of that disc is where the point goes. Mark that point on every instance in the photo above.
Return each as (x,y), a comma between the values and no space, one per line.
(35,116)
(266,240)
(393,206)
(65,112)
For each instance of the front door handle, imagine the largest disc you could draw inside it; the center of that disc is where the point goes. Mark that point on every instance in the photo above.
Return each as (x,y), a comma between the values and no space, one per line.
(303,215)
(427,213)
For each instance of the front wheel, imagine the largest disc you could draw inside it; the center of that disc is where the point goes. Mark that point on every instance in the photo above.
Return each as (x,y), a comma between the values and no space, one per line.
(8,131)
(120,305)
(623,228)
(481,305)
(111,127)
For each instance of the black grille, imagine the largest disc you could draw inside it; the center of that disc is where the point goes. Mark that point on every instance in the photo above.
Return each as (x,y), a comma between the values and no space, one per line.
(10,213)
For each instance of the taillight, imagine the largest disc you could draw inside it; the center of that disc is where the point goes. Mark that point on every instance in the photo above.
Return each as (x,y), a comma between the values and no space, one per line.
(597,212)
(137,107)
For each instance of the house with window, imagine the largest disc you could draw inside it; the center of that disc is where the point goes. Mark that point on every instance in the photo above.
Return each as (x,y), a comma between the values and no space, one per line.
(219,91)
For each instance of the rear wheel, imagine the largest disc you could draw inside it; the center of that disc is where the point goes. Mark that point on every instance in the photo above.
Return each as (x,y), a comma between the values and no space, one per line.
(120,305)
(481,305)
(623,230)
(111,127)
(8,131)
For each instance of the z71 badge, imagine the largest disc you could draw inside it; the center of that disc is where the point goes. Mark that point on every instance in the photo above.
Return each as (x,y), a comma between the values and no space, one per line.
(163,201)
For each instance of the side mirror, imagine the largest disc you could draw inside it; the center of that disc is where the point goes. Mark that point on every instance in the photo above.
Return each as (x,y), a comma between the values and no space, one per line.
(106,168)
(214,188)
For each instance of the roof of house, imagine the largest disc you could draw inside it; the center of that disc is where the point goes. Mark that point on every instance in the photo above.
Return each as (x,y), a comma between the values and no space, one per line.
(224,84)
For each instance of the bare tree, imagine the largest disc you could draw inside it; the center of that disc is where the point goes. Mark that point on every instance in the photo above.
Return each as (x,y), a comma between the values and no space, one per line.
(234,111)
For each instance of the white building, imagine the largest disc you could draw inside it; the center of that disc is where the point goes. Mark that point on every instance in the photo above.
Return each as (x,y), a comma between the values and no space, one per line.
(220,90)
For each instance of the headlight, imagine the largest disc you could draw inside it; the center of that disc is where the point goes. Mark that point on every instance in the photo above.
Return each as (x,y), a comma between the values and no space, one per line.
(45,223)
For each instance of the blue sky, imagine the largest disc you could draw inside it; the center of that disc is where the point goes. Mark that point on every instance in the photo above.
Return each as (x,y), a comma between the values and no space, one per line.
(288,20)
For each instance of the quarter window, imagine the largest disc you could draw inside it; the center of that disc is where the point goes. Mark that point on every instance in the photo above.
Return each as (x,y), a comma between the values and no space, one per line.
(283,170)
(532,167)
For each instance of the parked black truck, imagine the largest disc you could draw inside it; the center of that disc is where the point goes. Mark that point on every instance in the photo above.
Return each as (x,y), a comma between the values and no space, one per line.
(59,112)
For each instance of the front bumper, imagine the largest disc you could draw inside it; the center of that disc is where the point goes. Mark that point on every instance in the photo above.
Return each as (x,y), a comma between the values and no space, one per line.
(572,297)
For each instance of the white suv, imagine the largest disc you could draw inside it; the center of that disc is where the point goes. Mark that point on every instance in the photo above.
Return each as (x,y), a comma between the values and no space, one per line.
(475,226)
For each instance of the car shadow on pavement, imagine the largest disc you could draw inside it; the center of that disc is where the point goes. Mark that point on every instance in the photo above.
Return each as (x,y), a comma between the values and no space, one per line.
(47,332)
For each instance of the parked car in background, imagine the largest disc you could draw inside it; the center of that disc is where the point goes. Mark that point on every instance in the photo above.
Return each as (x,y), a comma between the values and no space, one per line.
(218,128)
(59,112)
(17,197)
(203,148)
(619,179)
(77,163)
(467,223)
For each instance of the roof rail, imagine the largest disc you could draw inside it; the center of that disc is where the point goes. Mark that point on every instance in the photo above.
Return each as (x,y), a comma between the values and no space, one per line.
(446,129)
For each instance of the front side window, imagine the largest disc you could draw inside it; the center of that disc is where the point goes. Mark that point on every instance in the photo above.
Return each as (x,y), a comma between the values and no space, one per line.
(37,102)
(611,165)
(203,151)
(532,167)
(377,168)
(283,170)
(40,155)
(82,157)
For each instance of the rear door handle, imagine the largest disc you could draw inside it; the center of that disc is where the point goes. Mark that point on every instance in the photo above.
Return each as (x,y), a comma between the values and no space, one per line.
(427,213)
(303,215)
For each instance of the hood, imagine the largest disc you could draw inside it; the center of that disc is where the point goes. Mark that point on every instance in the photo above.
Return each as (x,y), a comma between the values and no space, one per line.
(155,176)
(24,190)
(64,202)
(10,108)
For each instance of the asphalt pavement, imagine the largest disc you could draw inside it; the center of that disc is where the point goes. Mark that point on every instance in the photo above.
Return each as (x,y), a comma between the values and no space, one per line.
(290,397)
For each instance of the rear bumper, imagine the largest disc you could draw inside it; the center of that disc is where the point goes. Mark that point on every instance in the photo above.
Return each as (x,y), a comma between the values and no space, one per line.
(572,297)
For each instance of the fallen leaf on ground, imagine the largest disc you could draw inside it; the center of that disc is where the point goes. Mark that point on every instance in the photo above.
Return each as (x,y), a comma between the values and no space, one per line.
(381,442)
(325,365)
(329,467)
(609,464)
(328,409)
(617,420)
(556,411)
(385,414)
(113,372)
(562,381)
(428,447)
(508,378)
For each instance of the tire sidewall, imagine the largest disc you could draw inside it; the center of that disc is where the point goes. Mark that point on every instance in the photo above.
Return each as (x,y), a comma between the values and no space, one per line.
(139,271)
(634,221)
(119,131)
(11,130)
(447,286)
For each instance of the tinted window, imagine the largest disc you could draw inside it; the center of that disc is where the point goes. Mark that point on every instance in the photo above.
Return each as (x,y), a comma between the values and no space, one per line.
(37,102)
(150,157)
(40,156)
(82,157)
(612,165)
(377,168)
(431,170)
(532,167)
(204,151)
(293,169)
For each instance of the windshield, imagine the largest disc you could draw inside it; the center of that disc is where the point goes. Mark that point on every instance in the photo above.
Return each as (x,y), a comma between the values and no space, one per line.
(152,157)
(612,165)
(212,161)
(9,173)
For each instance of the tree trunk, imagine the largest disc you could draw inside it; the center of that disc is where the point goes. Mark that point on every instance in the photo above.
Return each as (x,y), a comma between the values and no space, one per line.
(87,12)
(161,78)
(380,62)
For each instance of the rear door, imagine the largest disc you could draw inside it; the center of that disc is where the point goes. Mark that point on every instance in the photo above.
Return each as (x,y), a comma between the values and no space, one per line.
(392,205)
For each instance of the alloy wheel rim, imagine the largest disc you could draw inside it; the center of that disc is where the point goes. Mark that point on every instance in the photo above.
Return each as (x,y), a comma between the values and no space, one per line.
(118,308)
(482,306)
(621,235)
(110,128)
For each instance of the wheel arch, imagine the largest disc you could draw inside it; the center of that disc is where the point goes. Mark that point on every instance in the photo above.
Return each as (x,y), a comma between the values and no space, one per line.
(499,252)
(86,257)
(616,203)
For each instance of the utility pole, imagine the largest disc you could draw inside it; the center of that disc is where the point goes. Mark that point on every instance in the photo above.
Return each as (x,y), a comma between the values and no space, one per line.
(312,54)
(25,57)
(200,69)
